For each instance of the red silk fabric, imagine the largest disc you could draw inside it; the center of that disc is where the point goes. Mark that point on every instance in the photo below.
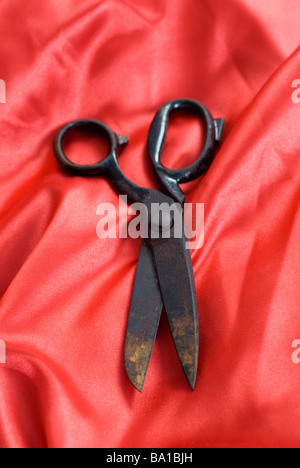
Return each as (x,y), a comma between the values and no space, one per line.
(65,293)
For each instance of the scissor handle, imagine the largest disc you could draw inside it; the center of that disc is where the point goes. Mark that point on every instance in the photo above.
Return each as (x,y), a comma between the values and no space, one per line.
(170,178)
(106,167)
(98,168)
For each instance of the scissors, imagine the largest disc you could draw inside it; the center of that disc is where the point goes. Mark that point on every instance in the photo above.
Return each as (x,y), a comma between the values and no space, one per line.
(164,275)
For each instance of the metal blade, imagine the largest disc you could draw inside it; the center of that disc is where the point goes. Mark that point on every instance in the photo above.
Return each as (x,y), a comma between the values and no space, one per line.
(145,312)
(177,284)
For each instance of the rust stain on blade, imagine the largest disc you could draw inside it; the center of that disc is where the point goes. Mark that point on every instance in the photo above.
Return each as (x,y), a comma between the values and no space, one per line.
(137,356)
(144,316)
(183,332)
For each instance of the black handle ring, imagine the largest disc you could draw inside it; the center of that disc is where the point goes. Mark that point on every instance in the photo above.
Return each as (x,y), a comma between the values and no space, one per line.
(157,137)
(97,168)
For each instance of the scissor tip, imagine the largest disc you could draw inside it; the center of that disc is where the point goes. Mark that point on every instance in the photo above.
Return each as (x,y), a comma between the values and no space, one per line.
(137,378)
(139,385)
(191,376)
(192,385)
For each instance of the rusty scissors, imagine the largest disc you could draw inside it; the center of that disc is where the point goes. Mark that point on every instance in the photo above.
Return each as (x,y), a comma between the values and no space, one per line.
(164,275)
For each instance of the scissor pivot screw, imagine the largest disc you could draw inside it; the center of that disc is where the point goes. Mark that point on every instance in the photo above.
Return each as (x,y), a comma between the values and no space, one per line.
(161,221)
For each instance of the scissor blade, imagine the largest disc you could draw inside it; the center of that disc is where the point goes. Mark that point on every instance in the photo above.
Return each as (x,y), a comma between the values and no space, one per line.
(144,316)
(177,285)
